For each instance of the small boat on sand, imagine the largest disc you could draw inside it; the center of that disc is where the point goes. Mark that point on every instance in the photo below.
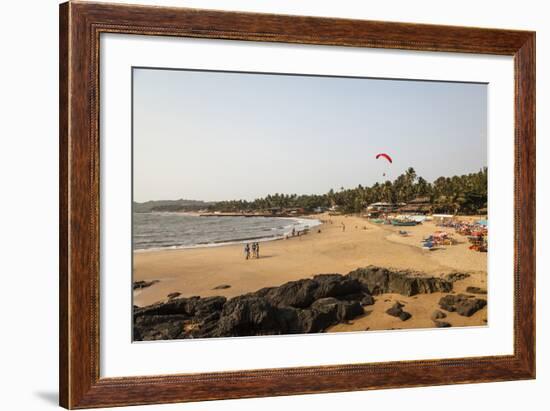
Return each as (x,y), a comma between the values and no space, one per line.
(403,223)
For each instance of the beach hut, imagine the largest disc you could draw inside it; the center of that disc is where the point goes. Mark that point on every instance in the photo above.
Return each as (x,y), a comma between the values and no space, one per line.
(275,210)
(419,205)
(382,207)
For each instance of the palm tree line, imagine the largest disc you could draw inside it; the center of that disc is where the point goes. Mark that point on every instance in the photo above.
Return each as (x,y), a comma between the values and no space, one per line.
(465,194)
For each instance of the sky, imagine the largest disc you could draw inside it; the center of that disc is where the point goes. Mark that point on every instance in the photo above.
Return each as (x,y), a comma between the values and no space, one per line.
(221,136)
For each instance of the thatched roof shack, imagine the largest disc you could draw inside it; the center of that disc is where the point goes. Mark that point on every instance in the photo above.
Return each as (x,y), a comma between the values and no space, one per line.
(382,207)
(420,205)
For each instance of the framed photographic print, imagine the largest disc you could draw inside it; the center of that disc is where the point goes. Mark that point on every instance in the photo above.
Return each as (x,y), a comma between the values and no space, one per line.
(258,205)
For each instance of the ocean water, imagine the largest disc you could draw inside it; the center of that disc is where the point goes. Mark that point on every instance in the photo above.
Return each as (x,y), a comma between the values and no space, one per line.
(154,231)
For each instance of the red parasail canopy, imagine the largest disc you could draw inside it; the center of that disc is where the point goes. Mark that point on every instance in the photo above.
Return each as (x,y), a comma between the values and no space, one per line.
(386,156)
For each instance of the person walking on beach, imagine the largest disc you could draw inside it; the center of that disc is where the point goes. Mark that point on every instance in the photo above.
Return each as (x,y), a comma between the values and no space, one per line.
(253,250)
(257,250)
(247,251)
(343,227)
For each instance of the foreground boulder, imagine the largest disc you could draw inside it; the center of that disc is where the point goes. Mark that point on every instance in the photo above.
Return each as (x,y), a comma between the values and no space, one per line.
(367,300)
(138,285)
(158,327)
(452,277)
(437,315)
(464,305)
(248,315)
(173,295)
(376,280)
(476,290)
(193,306)
(302,293)
(397,311)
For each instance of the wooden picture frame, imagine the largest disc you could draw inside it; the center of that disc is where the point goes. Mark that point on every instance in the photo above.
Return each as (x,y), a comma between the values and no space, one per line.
(80,27)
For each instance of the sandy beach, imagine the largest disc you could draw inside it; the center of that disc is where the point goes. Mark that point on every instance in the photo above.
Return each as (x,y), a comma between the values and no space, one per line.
(198,271)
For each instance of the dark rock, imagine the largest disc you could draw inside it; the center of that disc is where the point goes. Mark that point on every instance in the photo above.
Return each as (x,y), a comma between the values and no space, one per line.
(404,316)
(448,303)
(376,280)
(148,320)
(452,277)
(476,290)
(345,310)
(335,285)
(171,296)
(470,307)
(242,316)
(149,328)
(464,305)
(367,300)
(314,321)
(438,314)
(143,284)
(222,287)
(302,293)
(188,306)
(298,294)
(442,324)
(395,310)
(205,306)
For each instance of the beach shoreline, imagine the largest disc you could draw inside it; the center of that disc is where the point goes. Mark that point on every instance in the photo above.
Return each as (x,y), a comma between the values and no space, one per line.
(340,245)
(300,220)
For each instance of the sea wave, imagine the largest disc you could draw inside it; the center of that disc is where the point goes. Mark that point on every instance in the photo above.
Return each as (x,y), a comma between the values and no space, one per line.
(261,234)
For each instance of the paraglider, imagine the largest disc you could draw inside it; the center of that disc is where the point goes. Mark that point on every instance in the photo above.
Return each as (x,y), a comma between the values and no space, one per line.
(386,156)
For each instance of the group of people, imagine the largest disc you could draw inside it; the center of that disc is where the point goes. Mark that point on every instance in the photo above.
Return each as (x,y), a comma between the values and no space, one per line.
(252,250)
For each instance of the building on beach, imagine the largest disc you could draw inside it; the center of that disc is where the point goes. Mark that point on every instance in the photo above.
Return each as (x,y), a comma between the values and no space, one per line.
(376,209)
(419,205)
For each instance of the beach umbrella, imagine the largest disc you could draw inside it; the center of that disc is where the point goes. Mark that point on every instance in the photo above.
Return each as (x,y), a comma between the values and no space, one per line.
(385,156)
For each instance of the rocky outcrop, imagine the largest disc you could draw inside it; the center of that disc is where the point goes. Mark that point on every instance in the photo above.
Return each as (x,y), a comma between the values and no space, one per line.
(476,290)
(367,300)
(452,277)
(173,295)
(143,284)
(376,280)
(465,305)
(305,306)
(302,293)
(437,315)
(191,307)
(222,287)
(397,311)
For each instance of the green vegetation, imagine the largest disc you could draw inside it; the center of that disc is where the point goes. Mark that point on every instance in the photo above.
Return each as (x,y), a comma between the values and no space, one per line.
(465,194)
(169,205)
